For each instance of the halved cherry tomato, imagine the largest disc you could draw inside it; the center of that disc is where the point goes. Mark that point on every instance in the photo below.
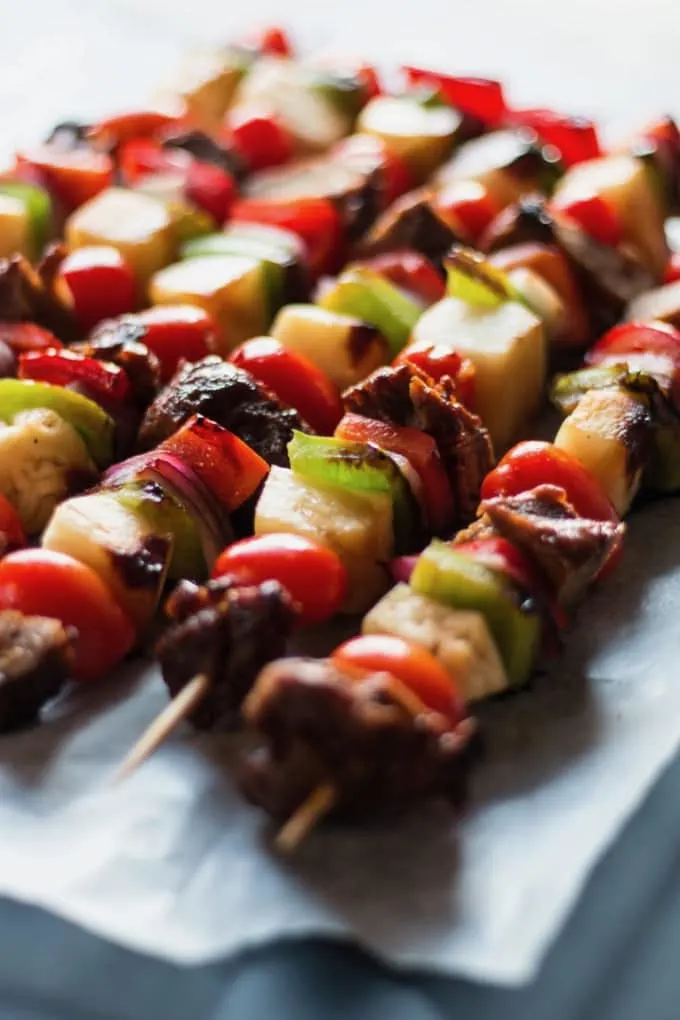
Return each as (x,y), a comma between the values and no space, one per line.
(437,361)
(421,452)
(315,220)
(72,176)
(228,466)
(177,333)
(12,535)
(672,273)
(575,138)
(369,153)
(596,218)
(411,271)
(411,663)
(313,575)
(467,207)
(45,583)
(294,379)
(26,336)
(112,131)
(533,463)
(100,282)
(260,136)
(478,97)
(103,379)
(644,348)
(210,188)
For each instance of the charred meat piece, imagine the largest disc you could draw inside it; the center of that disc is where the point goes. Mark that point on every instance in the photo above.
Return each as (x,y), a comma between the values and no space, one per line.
(207,150)
(405,396)
(570,550)
(228,632)
(229,396)
(36,657)
(28,294)
(409,223)
(122,342)
(317,726)
(526,221)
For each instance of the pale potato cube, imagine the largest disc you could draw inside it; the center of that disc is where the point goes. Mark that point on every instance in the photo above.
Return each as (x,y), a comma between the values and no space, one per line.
(358,527)
(15,227)
(661,304)
(140,227)
(508,349)
(460,639)
(230,288)
(489,161)
(422,135)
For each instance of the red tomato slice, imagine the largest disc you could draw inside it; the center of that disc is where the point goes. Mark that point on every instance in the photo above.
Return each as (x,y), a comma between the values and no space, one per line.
(315,220)
(313,575)
(422,454)
(114,131)
(411,663)
(177,333)
(294,379)
(533,463)
(100,282)
(45,583)
(644,348)
(12,534)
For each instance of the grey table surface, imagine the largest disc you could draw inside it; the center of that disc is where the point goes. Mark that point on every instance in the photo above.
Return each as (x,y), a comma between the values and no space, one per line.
(616,958)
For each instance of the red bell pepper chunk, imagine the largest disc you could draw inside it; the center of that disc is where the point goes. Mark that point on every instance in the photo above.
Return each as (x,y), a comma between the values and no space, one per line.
(26,336)
(103,379)
(112,131)
(467,207)
(228,466)
(259,136)
(211,189)
(270,41)
(100,282)
(575,138)
(74,176)
(12,535)
(672,273)
(437,361)
(533,463)
(315,220)
(410,271)
(596,218)
(477,97)
(139,157)
(294,379)
(176,333)
(422,453)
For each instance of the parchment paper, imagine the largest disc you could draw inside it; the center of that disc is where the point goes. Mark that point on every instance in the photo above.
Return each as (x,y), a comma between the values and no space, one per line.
(175,864)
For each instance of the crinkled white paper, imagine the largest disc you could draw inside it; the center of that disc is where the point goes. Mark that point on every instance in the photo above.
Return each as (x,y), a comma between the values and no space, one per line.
(174,863)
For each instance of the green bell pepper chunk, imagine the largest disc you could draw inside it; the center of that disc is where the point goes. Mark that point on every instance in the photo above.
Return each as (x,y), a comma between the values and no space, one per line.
(95,427)
(568,389)
(368,296)
(471,279)
(457,580)
(38,205)
(359,467)
(163,513)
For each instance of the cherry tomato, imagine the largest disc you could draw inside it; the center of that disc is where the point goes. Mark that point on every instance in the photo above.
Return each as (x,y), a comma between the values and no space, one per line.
(176,333)
(139,157)
(421,452)
(467,207)
(596,218)
(100,282)
(412,664)
(73,176)
(45,583)
(672,273)
(533,463)
(478,97)
(315,220)
(368,154)
(144,124)
(26,336)
(644,348)
(210,188)
(12,534)
(437,361)
(575,138)
(103,379)
(410,271)
(260,137)
(294,379)
(269,41)
(313,575)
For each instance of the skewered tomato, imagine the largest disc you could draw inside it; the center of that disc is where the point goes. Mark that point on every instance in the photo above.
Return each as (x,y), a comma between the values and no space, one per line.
(437,361)
(294,379)
(413,665)
(11,529)
(315,220)
(100,282)
(210,188)
(26,336)
(596,218)
(112,131)
(73,176)
(177,333)
(533,463)
(575,138)
(644,348)
(45,583)
(410,271)
(103,379)
(140,156)
(260,137)
(314,575)
(270,41)
(478,97)
(420,450)
(467,207)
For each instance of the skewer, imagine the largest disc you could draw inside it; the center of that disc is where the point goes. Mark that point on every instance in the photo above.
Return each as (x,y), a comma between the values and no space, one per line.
(164,724)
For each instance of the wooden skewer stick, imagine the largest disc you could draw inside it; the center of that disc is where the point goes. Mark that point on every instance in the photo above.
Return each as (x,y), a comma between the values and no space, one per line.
(164,724)
(301,822)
